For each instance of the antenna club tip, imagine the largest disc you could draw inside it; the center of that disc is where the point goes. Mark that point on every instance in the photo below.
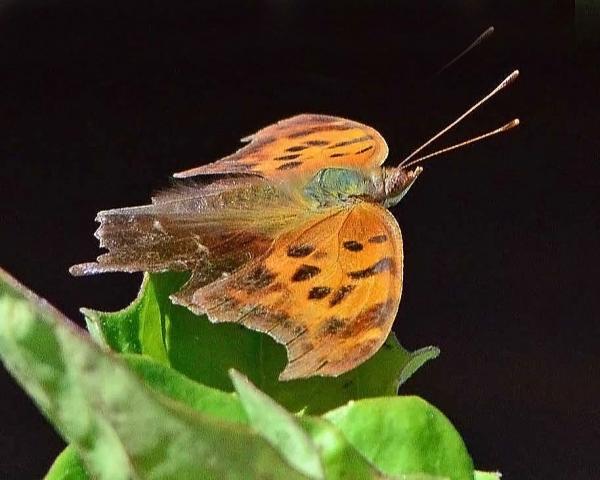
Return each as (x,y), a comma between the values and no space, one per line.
(507,81)
(512,76)
(512,124)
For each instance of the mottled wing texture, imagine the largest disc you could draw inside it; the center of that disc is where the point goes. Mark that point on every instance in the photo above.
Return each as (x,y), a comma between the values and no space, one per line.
(328,290)
(299,147)
(208,229)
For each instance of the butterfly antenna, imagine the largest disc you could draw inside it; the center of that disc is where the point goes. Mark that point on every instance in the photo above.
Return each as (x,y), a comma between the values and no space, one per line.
(503,128)
(504,83)
(481,38)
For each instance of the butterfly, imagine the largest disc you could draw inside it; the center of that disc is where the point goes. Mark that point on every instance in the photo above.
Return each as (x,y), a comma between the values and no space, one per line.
(290,235)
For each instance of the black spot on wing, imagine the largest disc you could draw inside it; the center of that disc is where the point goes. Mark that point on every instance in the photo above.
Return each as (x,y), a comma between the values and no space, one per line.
(305,272)
(317,143)
(383,265)
(291,156)
(363,150)
(299,251)
(353,245)
(317,293)
(340,294)
(364,138)
(334,155)
(289,166)
(296,148)
(378,239)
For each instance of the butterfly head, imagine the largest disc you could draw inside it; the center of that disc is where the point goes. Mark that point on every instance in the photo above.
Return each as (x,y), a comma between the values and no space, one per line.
(397,181)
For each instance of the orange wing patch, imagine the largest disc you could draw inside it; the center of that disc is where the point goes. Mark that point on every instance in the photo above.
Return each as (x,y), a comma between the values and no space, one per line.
(302,145)
(329,291)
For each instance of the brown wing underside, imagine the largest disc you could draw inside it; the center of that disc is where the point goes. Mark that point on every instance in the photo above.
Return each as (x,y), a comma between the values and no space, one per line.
(329,290)
(205,229)
(301,146)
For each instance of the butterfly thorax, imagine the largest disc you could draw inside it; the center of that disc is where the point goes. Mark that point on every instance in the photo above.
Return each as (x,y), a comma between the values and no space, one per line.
(338,186)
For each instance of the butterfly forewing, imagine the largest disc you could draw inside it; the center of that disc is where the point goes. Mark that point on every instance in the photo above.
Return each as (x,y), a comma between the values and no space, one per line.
(300,146)
(328,290)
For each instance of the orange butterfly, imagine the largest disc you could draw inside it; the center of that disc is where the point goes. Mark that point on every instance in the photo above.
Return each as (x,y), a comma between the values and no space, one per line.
(293,239)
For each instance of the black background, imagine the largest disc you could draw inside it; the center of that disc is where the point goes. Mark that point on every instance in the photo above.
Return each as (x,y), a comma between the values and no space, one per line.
(101,101)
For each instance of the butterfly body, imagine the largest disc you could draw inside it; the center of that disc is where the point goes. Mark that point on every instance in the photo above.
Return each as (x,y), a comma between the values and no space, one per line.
(292,239)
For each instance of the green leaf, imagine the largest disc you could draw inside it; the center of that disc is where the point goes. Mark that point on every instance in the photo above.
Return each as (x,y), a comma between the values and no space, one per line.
(323,453)
(206,400)
(205,351)
(120,428)
(404,435)
(487,475)
(67,466)
(340,459)
(280,428)
(135,329)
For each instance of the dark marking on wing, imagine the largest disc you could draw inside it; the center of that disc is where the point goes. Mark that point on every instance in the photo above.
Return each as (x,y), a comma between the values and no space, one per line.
(226,303)
(297,336)
(258,278)
(385,264)
(353,245)
(305,272)
(373,317)
(318,293)
(340,294)
(308,131)
(296,148)
(366,149)
(302,354)
(333,155)
(378,239)
(364,138)
(367,346)
(274,287)
(299,251)
(333,325)
(321,365)
(317,143)
(289,166)
(299,329)
(291,156)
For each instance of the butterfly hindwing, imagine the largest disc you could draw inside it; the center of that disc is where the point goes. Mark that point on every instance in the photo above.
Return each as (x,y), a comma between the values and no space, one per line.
(206,229)
(328,290)
(299,147)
